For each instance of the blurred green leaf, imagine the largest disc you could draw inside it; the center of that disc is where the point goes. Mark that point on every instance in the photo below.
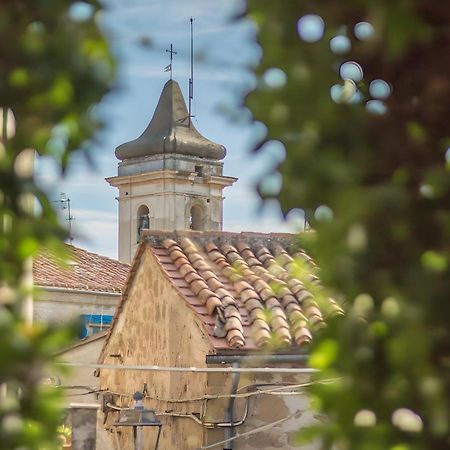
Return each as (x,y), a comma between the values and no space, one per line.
(376,191)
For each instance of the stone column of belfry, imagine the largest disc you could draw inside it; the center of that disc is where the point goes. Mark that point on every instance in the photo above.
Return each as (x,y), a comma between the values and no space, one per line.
(170,178)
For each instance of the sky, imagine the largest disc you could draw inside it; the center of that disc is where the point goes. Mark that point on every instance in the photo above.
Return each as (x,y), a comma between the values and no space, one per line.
(139,32)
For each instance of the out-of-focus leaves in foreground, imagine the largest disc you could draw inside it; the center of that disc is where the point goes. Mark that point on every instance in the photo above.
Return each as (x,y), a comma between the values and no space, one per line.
(358,92)
(55,66)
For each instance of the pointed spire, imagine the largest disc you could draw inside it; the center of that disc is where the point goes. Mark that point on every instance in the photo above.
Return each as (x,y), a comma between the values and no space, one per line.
(170,131)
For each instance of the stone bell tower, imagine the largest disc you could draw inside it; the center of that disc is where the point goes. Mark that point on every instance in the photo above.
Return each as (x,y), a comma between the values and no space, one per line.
(169,178)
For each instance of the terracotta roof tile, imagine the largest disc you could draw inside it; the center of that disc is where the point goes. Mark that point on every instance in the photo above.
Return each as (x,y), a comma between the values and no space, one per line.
(212,304)
(82,270)
(247,288)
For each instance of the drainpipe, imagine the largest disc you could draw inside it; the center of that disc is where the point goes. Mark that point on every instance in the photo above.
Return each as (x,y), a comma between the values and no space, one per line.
(229,414)
(258,360)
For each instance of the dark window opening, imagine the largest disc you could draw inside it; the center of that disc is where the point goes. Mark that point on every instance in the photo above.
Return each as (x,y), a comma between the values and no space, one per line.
(199,171)
(143,220)
(196,218)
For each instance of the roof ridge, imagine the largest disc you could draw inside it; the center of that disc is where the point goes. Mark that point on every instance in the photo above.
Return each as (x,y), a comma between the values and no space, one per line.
(98,255)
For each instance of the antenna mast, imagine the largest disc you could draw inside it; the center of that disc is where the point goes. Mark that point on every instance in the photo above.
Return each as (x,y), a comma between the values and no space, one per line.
(65,204)
(191,79)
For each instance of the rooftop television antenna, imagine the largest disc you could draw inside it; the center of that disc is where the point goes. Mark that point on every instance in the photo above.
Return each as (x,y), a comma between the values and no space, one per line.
(65,205)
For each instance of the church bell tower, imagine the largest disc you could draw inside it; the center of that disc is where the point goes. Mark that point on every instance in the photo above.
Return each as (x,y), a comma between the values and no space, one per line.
(169,178)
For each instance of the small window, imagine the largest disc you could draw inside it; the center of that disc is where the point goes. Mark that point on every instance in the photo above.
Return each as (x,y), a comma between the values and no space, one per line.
(94,323)
(143,220)
(199,171)
(196,218)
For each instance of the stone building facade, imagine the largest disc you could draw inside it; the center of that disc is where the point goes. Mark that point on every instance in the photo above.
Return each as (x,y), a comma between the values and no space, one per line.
(201,297)
(196,296)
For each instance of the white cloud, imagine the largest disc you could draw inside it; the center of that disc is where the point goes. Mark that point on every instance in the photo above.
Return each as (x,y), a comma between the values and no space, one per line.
(96,230)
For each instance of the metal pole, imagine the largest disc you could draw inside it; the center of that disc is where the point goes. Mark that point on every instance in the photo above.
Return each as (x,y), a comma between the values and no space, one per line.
(140,438)
(117,439)
(157,437)
(191,80)
(70,221)
(230,431)
(135,438)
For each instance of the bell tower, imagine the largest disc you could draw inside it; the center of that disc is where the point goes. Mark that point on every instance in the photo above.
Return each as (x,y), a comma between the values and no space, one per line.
(169,178)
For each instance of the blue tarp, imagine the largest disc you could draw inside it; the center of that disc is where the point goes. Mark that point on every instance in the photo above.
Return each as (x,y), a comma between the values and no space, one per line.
(95,319)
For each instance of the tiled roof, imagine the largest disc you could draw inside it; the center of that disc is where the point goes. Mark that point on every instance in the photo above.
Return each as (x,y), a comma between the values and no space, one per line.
(251,290)
(83,270)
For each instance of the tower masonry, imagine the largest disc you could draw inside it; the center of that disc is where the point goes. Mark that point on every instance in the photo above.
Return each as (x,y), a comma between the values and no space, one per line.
(169,178)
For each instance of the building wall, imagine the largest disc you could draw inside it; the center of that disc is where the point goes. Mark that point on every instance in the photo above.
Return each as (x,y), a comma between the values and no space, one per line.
(168,161)
(58,305)
(156,326)
(169,185)
(169,195)
(263,409)
(82,419)
(87,351)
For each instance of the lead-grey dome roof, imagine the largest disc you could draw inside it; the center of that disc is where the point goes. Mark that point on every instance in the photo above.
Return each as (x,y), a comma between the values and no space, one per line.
(169,131)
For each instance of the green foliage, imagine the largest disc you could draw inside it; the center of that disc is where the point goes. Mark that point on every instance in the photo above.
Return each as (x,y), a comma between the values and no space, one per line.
(376,190)
(55,67)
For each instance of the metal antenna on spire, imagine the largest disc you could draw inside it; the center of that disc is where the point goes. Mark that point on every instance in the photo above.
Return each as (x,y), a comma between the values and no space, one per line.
(64,201)
(169,67)
(191,79)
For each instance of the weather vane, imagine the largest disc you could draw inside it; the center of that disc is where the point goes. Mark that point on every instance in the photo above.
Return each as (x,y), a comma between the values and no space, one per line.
(169,67)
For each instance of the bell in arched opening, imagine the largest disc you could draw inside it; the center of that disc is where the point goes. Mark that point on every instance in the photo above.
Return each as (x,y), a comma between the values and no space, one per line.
(143,220)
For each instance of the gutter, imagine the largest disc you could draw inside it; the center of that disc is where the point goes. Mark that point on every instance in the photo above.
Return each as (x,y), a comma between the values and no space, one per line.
(78,291)
(260,360)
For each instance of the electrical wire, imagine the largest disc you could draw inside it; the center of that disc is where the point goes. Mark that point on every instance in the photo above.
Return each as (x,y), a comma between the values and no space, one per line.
(274,389)
(278,390)
(193,417)
(115,407)
(96,391)
(254,431)
(210,425)
(90,390)
(154,368)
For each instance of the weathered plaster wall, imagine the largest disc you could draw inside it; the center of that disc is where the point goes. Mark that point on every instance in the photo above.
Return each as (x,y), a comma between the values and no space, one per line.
(156,326)
(63,305)
(263,409)
(168,195)
(83,420)
(168,185)
(86,351)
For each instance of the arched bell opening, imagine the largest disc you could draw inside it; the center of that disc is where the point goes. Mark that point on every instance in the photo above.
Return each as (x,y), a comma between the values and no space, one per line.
(143,220)
(196,218)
